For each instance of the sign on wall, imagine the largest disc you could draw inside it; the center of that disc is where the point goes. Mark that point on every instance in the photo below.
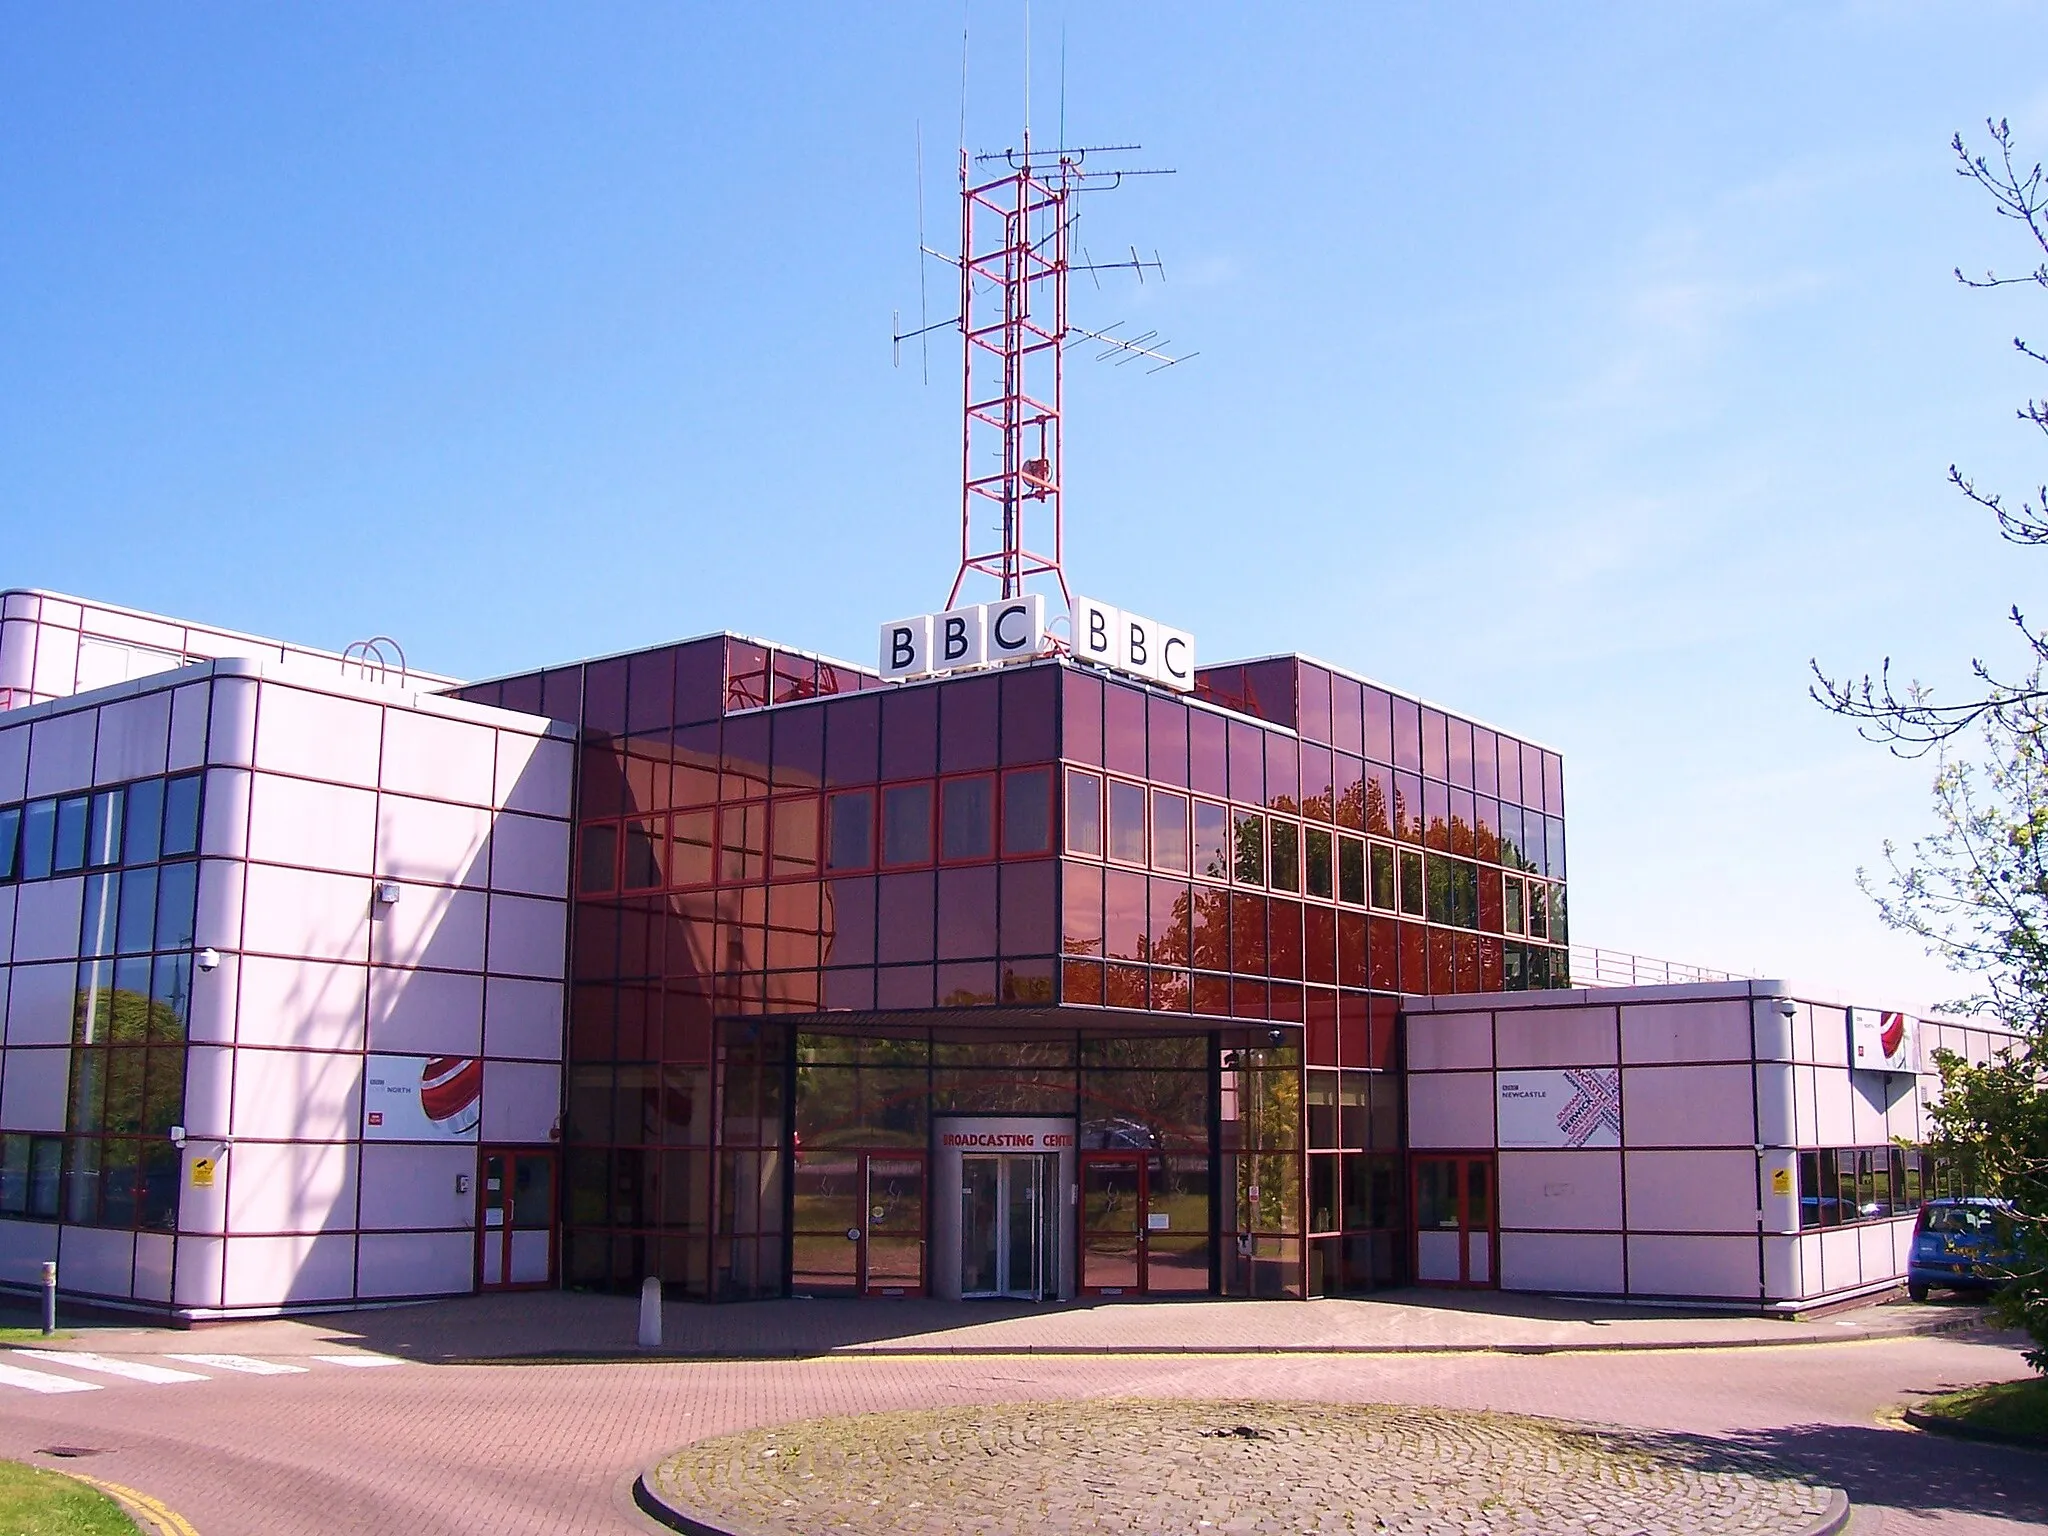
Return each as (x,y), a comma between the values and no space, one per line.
(422,1098)
(1880,1042)
(1553,1108)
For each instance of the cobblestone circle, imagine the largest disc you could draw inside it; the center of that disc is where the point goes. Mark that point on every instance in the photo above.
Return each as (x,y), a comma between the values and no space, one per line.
(1220,1469)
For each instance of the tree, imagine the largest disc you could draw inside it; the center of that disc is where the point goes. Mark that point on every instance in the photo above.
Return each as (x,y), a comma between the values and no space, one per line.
(1976,889)
(1914,724)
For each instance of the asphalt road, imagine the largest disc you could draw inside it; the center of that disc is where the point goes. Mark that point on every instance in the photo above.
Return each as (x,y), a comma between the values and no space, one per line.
(416,1447)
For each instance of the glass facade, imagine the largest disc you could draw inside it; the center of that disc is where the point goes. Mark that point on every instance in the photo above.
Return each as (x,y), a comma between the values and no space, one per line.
(135,847)
(815,910)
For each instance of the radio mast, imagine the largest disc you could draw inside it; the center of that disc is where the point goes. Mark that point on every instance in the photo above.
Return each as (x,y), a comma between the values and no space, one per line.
(1018,210)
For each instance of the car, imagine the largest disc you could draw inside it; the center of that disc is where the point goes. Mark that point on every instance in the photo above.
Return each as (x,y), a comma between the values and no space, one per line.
(1963,1244)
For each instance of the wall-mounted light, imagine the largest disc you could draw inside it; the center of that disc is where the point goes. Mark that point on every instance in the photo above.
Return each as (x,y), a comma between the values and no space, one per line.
(388,892)
(207,959)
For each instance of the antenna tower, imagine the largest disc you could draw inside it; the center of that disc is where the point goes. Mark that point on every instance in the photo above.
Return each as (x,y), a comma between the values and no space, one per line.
(1017,215)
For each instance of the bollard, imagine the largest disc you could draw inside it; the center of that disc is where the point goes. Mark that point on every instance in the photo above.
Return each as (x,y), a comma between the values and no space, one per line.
(650,1313)
(49,1297)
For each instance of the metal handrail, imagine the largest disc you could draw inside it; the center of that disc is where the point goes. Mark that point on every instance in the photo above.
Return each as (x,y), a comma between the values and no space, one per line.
(1593,967)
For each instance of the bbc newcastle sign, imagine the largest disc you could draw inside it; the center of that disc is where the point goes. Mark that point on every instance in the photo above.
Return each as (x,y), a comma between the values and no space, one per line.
(1014,630)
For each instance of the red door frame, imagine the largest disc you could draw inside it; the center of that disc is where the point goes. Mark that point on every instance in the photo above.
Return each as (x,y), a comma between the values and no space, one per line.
(1142,1161)
(511,1152)
(1463,1162)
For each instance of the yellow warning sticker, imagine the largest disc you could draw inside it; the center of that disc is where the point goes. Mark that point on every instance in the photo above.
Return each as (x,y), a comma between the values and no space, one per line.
(202,1173)
(1781,1181)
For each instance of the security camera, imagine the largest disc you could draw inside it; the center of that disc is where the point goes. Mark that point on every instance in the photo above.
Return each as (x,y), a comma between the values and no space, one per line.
(1788,1008)
(207,959)
(1276,1037)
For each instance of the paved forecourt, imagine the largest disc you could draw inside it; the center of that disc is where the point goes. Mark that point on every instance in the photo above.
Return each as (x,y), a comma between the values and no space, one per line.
(1143,1466)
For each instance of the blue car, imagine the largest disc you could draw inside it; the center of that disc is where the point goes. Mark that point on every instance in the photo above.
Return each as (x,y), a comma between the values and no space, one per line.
(1961,1245)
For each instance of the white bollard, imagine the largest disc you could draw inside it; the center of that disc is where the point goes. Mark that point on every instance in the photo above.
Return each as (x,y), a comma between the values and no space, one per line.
(650,1313)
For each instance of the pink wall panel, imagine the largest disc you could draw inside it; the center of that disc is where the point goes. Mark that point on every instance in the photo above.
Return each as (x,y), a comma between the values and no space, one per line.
(1555,1037)
(25,1246)
(530,855)
(96,1259)
(13,761)
(438,758)
(32,1091)
(1680,1032)
(188,725)
(406,1185)
(295,1187)
(202,1262)
(527,936)
(1447,1041)
(431,925)
(1686,1106)
(1573,1262)
(416,1264)
(523,1018)
(317,735)
(534,773)
(313,1095)
(522,1100)
(262,1271)
(428,1013)
(1567,1189)
(1692,1191)
(312,825)
(134,738)
(231,725)
(46,920)
(305,1003)
(60,752)
(1693,1266)
(299,912)
(40,1000)
(431,841)
(1450,1109)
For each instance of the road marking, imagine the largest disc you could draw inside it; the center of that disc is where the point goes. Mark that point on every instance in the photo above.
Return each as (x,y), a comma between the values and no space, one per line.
(242,1363)
(361,1361)
(36,1381)
(166,1518)
(106,1365)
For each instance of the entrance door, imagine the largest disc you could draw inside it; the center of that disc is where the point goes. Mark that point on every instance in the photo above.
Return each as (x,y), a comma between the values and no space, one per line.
(892,1257)
(1006,1234)
(1454,1220)
(1144,1223)
(516,1236)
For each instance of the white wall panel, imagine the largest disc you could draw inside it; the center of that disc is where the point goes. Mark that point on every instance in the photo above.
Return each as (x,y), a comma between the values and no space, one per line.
(299,1187)
(56,659)
(428,1013)
(416,1264)
(33,1087)
(1553,1037)
(25,1247)
(99,1260)
(211,1015)
(188,725)
(1692,1266)
(1450,1109)
(1692,1191)
(318,735)
(523,1018)
(1716,1030)
(60,752)
(431,841)
(1700,1106)
(1443,1042)
(297,1094)
(313,825)
(1574,1262)
(433,926)
(153,1252)
(1574,1190)
(407,1185)
(217,919)
(46,919)
(231,727)
(40,1003)
(134,738)
(302,1003)
(224,831)
(299,912)
(13,761)
(438,758)
(201,1265)
(528,937)
(530,855)
(264,1271)
(534,773)
(522,1100)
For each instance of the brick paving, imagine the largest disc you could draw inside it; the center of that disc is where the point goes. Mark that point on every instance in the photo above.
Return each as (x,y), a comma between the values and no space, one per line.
(1246,1468)
(545,1448)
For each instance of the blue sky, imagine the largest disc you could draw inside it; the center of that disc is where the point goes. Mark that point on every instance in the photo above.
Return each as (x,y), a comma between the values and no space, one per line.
(1586,371)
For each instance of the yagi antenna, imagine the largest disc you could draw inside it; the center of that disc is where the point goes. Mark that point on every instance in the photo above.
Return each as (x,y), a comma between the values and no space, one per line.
(1018,209)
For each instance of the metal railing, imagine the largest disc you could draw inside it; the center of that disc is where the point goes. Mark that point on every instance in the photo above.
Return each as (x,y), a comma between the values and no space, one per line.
(1618,968)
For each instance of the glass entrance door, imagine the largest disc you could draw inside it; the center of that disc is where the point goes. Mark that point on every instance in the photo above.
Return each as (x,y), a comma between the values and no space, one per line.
(1144,1223)
(1454,1220)
(516,1235)
(1006,1236)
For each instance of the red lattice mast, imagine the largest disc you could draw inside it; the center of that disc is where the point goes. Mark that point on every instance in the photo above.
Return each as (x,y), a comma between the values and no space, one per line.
(1016,254)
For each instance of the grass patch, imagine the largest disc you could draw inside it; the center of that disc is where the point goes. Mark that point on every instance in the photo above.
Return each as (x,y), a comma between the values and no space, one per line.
(2018,1409)
(29,1335)
(38,1503)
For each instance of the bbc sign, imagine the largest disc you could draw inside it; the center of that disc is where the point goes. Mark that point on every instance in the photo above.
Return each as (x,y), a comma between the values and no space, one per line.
(1014,630)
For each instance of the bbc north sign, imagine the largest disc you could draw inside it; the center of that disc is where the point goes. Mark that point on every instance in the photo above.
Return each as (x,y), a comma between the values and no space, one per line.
(1014,630)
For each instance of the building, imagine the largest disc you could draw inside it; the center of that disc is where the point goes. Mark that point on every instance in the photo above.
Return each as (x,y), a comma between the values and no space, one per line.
(755,971)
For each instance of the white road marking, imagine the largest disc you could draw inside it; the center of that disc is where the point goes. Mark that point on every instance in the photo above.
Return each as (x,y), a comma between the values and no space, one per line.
(359,1360)
(36,1381)
(242,1363)
(128,1370)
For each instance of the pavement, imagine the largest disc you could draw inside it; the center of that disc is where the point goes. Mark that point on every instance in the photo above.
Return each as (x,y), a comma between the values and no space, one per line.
(566,1325)
(482,1421)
